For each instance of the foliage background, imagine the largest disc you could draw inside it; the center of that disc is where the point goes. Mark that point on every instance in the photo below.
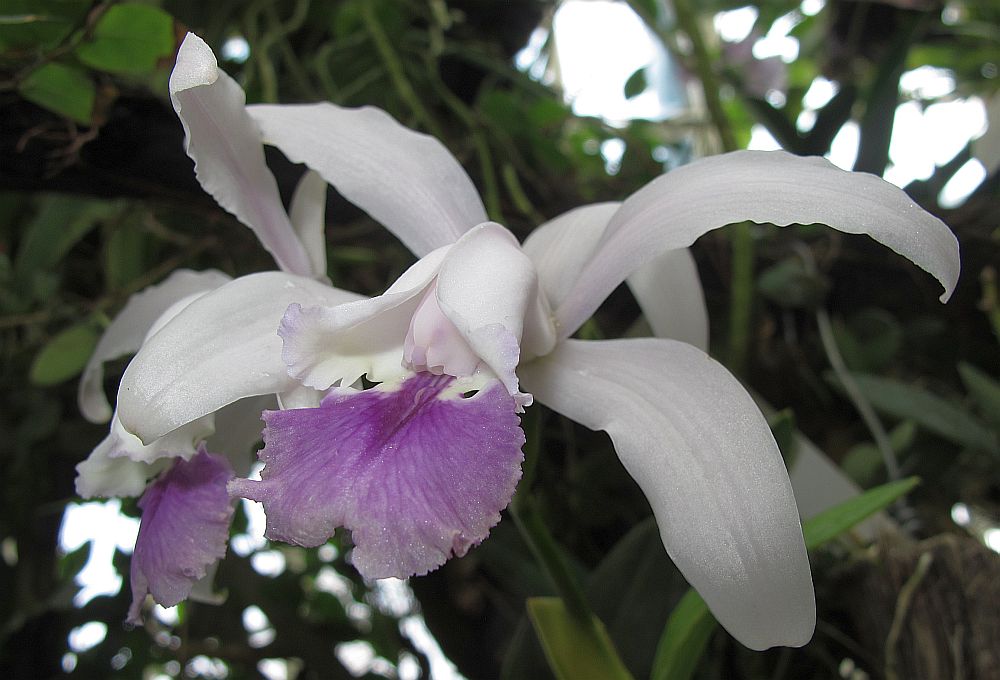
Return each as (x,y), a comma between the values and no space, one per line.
(98,200)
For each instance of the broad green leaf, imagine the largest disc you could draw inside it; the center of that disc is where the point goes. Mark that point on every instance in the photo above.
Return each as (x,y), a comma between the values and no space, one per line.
(789,284)
(65,90)
(574,650)
(927,410)
(831,523)
(124,256)
(64,356)
(61,221)
(691,624)
(869,340)
(38,25)
(864,463)
(684,639)
(129,38)
(636,84)
(984,389)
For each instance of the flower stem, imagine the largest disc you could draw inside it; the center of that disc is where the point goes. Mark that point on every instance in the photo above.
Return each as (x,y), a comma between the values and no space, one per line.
(546,551)
(857,397)
(395,68)
(741,238)
(740,295)
(524,509)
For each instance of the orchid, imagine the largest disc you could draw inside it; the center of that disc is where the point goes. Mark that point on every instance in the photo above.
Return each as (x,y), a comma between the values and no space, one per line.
(419,466)
(188,496)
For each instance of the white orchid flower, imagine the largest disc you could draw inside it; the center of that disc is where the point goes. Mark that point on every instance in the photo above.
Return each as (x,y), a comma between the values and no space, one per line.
(189,497)
(419,467)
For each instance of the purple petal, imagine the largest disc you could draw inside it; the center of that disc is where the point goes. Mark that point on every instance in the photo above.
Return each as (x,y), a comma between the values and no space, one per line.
(416,472)
(184,529)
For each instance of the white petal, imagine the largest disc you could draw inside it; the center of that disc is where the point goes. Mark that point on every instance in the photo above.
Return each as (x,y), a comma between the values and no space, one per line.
(488,289)
(308,215)
(406,180)
(121,464)
(125,333)
(562,246)
(701,451)
(669,292)
(101,476)
(765,187)
(222,347)
(238,428)
(226,147)
(326,344)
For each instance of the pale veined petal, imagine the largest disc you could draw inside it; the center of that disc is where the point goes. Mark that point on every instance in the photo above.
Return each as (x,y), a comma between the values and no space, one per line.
(765,187)
(121,464)
(562,246)
(102,475)
(406,180)
(324,345)
(702,453)
(238,429)
(222,347)
(669,292)
(308,216)
(226,147)
(488,289)
(125,333)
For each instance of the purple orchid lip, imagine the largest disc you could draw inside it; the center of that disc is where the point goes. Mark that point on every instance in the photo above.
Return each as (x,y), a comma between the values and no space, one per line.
(416,472)
(184,529)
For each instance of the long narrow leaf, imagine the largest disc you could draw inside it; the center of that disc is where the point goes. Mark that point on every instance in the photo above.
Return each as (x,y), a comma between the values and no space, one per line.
(574,650)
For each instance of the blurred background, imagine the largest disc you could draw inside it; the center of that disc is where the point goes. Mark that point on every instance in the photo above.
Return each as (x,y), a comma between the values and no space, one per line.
(549,105)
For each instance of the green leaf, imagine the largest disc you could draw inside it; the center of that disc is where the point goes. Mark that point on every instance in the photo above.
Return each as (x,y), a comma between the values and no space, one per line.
(124,256)
(831,523)
(61,221)
(38,25)
(64,356)
(65,90)
(636,84)
(574,650)
(684,639)
(782,426)
(863,462)
(789,284)
(984,389)
(633,590)
(129,38)
(927,410)
(869,340)
(691,624)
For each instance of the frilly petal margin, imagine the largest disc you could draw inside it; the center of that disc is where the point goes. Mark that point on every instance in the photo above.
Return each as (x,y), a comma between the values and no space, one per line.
(222,347)
(416,472)
(225,145)
(184,529)
(702,453)
(761,186)
(406,180)
(326,344)
(126,332)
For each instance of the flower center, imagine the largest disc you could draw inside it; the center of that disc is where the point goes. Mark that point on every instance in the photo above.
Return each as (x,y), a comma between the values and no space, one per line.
(433,343)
